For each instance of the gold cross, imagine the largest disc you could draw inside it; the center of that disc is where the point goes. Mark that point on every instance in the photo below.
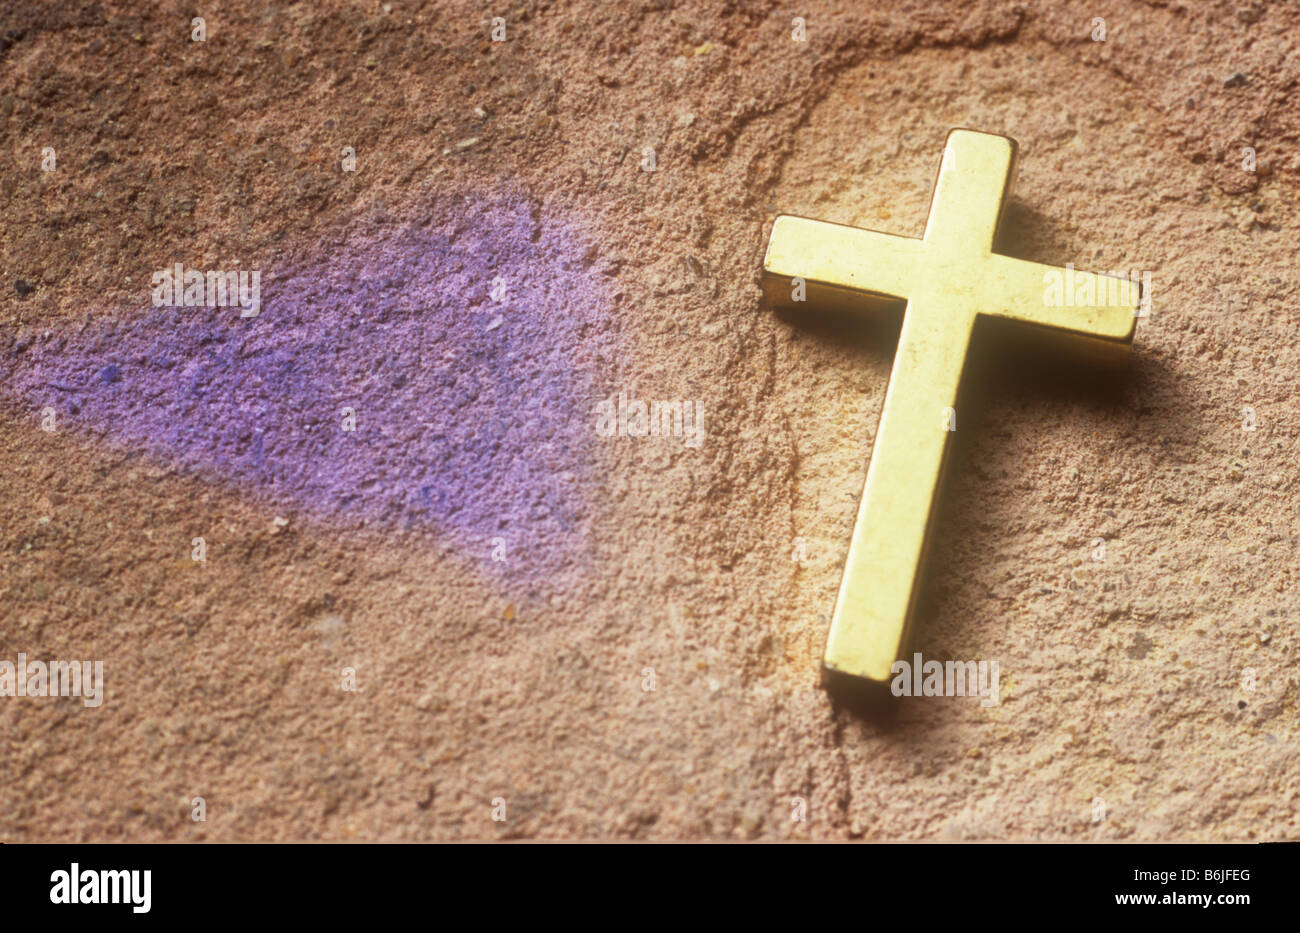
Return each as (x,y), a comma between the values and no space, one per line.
(949,278)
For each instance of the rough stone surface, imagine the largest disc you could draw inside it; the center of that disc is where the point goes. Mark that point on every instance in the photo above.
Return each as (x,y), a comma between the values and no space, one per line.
(1122,679)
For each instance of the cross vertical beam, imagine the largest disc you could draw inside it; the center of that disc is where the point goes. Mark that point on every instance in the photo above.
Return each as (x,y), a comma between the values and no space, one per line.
(877,594)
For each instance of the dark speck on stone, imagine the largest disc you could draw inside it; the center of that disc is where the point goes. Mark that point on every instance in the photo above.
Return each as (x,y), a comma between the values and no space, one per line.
(400,381)
(1241,704)
(23,287)
(1140,648)
(110,374)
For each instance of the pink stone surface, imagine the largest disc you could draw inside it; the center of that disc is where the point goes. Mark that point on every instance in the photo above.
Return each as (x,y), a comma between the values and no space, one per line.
(1123,680)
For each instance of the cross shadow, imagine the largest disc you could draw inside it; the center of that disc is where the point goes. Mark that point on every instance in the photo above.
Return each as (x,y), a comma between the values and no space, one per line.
(874,330)
(1007,361)
(1026,233)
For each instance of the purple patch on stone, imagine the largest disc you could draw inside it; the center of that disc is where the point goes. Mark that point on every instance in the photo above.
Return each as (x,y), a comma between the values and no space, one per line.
(473,412)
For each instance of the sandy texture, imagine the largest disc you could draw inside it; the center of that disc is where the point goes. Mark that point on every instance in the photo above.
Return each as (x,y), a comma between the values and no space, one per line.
(484,164)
